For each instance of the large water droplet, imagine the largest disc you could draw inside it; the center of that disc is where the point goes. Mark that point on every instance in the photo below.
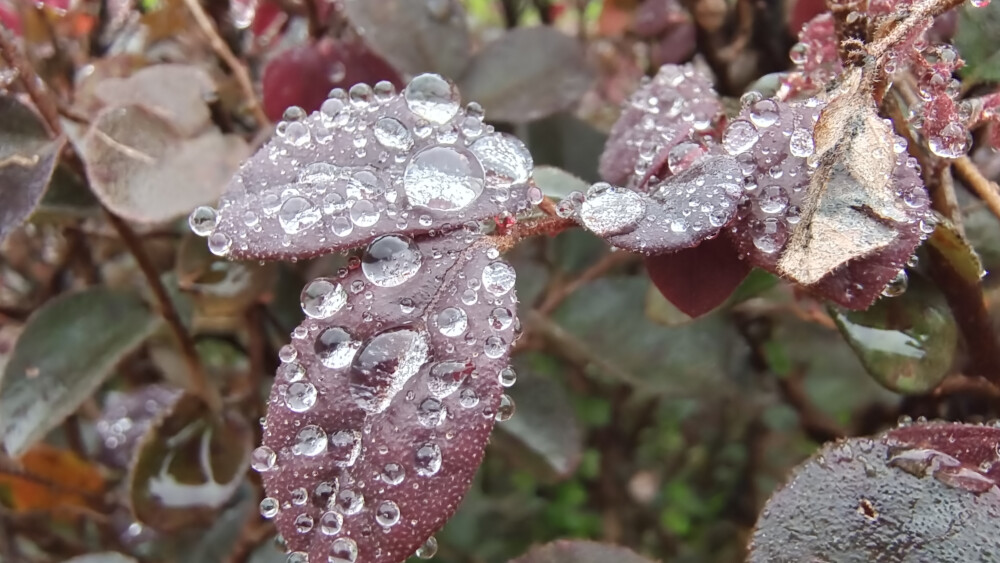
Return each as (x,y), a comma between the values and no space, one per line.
(499,278)
(203,220)
(384,365)
(387,514)
(504,158)
(446,377)
(330,523)
(801,143)
(350,502)
(452,321)
(468,398)
(322,298)
(609,210)
(364,213)
(444,178)
(298,214)
(301,396)
(263,459)
(343,550)
(739,137)
(951,142)
(310,441)
(494,347)
(432,97)
(764,113)
(335,348)
(303,523)
(773,199)
(428,460)
(390,260)
(393,473)
(392,134)
(345,447)
(430,413)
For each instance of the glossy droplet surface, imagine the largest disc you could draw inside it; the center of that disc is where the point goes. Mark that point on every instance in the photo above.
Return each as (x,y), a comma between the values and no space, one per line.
(345,447)
(387,513)
(445,178)
(739,137)
(343,550)
(507,377)
(446,377)
(298,214)
(393,473)
(608,210)
(506,409)
(203,220)
(322,298)
(330,523)
(429,549)
(310,441)
(801,143)
(301,396)
(384,365)
(263,459)
(269,507)
(335,347)
(428,460)
(391,260)
(391,133)
(504,158)
(432,97)
(430,413)
(452,322)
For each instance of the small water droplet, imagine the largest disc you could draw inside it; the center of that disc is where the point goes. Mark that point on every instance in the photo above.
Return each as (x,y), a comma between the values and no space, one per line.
(896,286)
(343,550)
(507,376)
(608,210)
(345,447)
(499,278)
(739,137)
(391,133)
(335,347)
(322,298)
(504,158)
(801,144)
(446,377)
(301,396)
(951,142)
(773,199)
(494,347)
(330,523)
(429,549)
(506,409)
(297,557)
(391,260)
(428,460)
(764,113)
(203,220)
(269,507)
(430,413)
(468,398)
(298,214)
(303,523)
(393,473)
(310,441)
(432,97)
(219,244)
(263,459)
(452,322)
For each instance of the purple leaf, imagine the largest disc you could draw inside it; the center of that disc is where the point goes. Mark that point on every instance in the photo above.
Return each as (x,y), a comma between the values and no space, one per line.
(368,164)
(126,417)
(697,280)
(926,492)
(386,397)
(678,104)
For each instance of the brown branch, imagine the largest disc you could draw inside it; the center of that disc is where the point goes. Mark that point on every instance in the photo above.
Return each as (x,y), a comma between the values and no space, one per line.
(816,424)
(33,84)
(559,294)
(238,69)
(972,177)
(532,227)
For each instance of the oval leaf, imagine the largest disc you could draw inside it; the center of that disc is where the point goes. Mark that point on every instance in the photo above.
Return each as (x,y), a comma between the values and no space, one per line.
(580,551)
(516,84)
(188,466)
(379,415)
(67,349)
(699,279)
(355,170)
(927,492)
(126,417)
(27,160)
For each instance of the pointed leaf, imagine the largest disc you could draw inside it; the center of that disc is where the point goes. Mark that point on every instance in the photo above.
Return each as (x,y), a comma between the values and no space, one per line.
(580,551)
(179,94)
(27,159)
(699,279)
(926,492)
(407,163)
(415,36)
(67,349)
(188,466)
(556,183)
(379,415)
(516,83)
(142,168)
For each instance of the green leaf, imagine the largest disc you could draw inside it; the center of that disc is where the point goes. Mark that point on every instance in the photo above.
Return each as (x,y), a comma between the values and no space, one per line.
(27,159)
(188,466)
(544,422)
(527,74)
(579,551)
(415,37)
(557,183)
(907,343)
(105,557)
(567,142)
(68,348)
(219,540)
(978,29)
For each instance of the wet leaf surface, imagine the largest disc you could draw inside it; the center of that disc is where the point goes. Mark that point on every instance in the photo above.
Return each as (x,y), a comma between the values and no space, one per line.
(143,169)
(380,412)
(580,551)
(514,84)
(907,343)
(698,279)
(127,416)
(385,163)
(188,465)
(926,492)
(59,481)
(415,36)
(68,348)
(27,159)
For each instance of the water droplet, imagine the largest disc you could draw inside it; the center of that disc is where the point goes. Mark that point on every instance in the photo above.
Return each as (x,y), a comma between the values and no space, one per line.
(299,496)
(384,365)
(331,108)
(773,199)
(504,158)
(406,305)
(499,278)
(798,53)
(444,178)
(801,143)
(219,244)
(364,213)
(298,214)
(391,260)
(432,97)
(501,318)
(768,236)
(446,377)
(360,95)
(468,398)
(428,460)
(297,557)
(392,134)
(896,286)
(303,523)
(301,396)
(343,550)
(429,549)
(322,298)
(452,321)
(430,413)
(494,347)
(951,142)
(739,137)
(350,502)
(387,514)
(764,113)
(393,473)
(203,220)
(608,210)
(507,376)
(297,134)
(506,408)
(310,441)
(263,459)
(335,348)
(345,447)
(269,507)
(330,523)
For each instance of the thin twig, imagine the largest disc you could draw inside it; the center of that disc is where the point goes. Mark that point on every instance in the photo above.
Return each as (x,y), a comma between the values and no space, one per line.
(972,177)
(238,69)
(32,83)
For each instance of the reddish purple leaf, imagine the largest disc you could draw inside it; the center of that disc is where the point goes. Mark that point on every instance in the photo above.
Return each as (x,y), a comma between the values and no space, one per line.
(386,397)
(127,416)
(697,280)
(303,75)
(927,492)
(367,164)
(678,104)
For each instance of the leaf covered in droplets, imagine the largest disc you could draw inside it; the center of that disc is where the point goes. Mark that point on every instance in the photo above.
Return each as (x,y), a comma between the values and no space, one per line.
(697,280)
(580,551)
(386,397)
(676,105)
(926,492)
(365,165)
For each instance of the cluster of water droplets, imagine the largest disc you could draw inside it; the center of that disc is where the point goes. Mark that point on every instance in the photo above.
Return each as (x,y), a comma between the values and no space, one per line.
(370,161)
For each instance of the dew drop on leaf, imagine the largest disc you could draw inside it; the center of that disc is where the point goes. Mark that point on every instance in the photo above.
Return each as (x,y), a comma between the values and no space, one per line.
(322,298)
(431,97)
(310,441)
(384,365)
(506,409)
(504,158)
(269,507)
(429,549)
(387,514)
(452,322)
(428,460)
(499,278)
(801,143)
(350,502)
(739,137)
(391,260)
(444,178)
(393,473)
(203,220)
(301,396)
(392,134)
(764,113)
(345,447)
(297,214)
(330,523)
(263,459)
(446,377)
(608,210)
(343,550)
(507,377)
(335,347)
